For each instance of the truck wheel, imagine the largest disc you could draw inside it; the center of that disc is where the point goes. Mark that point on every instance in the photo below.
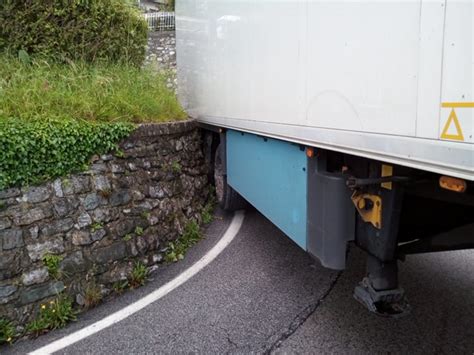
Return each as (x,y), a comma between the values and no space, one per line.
(228,198)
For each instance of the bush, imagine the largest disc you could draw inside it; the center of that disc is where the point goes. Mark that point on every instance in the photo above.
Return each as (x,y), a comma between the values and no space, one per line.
(89,30)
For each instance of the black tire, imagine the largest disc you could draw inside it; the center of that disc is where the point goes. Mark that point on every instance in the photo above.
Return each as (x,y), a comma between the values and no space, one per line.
(228,198)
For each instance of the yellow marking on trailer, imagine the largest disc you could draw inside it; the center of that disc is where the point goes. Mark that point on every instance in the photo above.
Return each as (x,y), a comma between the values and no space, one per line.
(387,170)
(453,118)
(458,104)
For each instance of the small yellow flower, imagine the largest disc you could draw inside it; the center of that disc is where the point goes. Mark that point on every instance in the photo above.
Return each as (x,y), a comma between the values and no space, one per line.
(9,339)
(54,311)
(43,306)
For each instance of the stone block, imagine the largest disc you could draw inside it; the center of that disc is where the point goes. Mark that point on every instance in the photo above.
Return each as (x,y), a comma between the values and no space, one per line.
(5,223)
(65,206)
(157,192)
(9,193)
(84,220)
(36,293)
(106,157)
(91,201)
(121,227)
(7,259)
(58,189)
(98,235)
(118,273)
(58,226)
(6,292)
(99,167)
(137,195)
(34,231)
(110,253)
(81,184)
(33,215)
(36,194)
(117,168)
(74,263)
(35,276)
(81,238)
(51,246)
(105,214)
(118,198)
(11,238)
(101,183)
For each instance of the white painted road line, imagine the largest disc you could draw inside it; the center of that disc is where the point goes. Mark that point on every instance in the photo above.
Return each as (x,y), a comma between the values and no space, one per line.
(133,308)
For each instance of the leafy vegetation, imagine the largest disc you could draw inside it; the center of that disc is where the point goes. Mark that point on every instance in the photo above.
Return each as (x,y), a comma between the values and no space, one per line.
(138,276)
(176,167)
(52,264)
(7,331)
(53,315)
(96,226)
(127,237)
(54,117)
(89,30)
(177,249)
(38,150)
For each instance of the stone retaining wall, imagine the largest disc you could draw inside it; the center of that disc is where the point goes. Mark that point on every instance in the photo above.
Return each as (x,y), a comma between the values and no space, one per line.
(125,208)
(161,54)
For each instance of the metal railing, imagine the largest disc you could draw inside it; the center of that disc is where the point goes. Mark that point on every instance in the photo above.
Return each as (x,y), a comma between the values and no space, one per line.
(160,21)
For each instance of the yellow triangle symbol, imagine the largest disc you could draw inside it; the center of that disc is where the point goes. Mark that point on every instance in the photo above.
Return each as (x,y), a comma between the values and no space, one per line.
(458,136)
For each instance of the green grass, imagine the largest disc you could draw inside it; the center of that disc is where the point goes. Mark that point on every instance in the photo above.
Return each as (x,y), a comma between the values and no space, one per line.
(35,89)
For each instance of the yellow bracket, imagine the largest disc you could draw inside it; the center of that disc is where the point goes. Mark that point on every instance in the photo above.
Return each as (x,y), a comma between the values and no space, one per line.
(369,207)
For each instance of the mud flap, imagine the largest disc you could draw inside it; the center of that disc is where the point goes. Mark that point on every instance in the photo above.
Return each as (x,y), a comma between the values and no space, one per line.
(331,214)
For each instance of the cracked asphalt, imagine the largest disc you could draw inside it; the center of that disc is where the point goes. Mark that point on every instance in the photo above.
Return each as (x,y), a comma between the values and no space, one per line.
(265,295)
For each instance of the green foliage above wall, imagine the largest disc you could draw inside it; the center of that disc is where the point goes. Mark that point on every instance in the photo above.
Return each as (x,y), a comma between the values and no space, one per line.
(89,30)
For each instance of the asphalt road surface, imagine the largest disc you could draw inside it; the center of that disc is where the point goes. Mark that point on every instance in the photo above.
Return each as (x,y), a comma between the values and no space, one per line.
(263,294)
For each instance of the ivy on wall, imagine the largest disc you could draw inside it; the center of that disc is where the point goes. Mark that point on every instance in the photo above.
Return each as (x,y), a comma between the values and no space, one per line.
(38,150)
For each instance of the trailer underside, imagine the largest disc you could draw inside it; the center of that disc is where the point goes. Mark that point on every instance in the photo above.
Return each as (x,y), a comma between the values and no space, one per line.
(324,199)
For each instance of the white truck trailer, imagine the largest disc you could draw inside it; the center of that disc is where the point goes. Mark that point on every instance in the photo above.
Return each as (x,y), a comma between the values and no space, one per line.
(340,121)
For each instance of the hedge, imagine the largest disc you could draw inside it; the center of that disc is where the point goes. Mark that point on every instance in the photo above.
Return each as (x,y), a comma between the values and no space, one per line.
(88,30)
(38,150)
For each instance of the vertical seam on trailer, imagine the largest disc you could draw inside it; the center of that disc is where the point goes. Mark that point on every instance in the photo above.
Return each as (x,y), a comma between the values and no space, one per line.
(442,68)
(420,39)
(306,62)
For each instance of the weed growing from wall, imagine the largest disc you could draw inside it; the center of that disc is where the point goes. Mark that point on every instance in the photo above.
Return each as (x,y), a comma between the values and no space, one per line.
(177,249)
(52,264)
(53,315)
(7,331)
